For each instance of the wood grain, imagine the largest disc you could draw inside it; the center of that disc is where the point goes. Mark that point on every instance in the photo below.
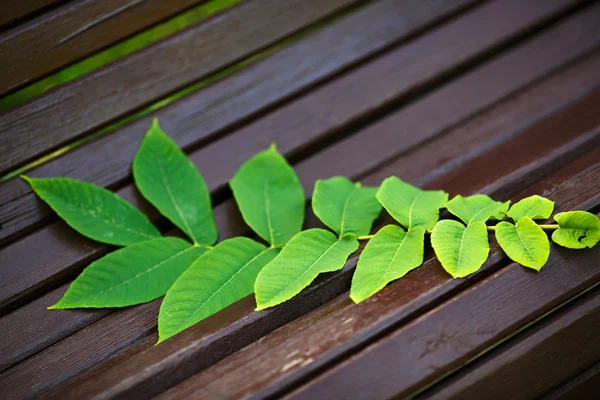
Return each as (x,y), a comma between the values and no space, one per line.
(584,386)
(90,102)
(170,362)
(14,11)
(32,328)
(201,117)
(291,131)
(552,345)
(458,330)
(74,31)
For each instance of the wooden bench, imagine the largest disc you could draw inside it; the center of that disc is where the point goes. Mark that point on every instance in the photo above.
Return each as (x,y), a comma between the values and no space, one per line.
(499,97)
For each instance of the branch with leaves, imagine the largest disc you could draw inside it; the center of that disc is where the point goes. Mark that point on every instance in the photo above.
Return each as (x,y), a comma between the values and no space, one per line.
(200,278)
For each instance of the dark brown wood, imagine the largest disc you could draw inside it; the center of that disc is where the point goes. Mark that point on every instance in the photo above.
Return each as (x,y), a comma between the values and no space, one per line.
(525,64)
(455,332)
(38,328)
(582,387)
(74,31)
(100,97)
(319,338)
(13,11)
(201,117)
(534,362)
(180,356)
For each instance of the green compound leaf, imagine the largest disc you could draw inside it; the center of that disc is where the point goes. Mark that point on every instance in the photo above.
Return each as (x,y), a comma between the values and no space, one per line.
(388,256)
(477,208)
(461,250)
(305,256)
(270,197)
(525,243)
(410,205)
(219,278)
(135,274)
(94,211)
(534,207)
(344,206)
(170,181)
(578,229)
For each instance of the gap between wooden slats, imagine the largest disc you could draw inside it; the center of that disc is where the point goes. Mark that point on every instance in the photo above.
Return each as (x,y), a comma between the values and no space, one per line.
(562,344)
(74,31)
(147,372)
(281,127)
(13,12)
(65,327)
(88,103)
(198,119)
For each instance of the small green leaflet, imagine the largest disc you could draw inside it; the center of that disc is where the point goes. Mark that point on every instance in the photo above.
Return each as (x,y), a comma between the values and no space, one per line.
(577,229)
(304,257)
(388,256)
(410,205)
(477,208)
(170,181)
(217,279)
(525,243)
(135,274)
(270,197)
(534,207)
(94,211)
(461,250)
(344,206)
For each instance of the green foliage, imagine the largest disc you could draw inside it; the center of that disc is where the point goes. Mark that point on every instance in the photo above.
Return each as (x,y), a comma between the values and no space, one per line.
(168,180)
(577,229)
(462,250)
(305,256)
(94,211)
(534,207)
(132,275)
(410,205)
(388,256)
(270,197)
(200,280)
(345,207)
(477,208)
(525,243)
(217,279)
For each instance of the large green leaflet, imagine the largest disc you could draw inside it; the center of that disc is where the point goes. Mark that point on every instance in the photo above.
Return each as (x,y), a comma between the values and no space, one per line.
(410,205)
(135,274)
(344,206)
(388,256)
(170,181)
(307,254)
(477,208)
(94,211)
(217,279)
(534,207)
(577,229)
(525,243)
(461,250)
(270,197)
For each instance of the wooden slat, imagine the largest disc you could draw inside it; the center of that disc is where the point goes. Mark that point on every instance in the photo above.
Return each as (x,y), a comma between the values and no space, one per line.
(528,366)
(12,11)
(64,323)
(324,335)
(359,93)
(584,386)
(197,347)
(202,116)
(72,32)
(69,111)
(453,333)
(32,328)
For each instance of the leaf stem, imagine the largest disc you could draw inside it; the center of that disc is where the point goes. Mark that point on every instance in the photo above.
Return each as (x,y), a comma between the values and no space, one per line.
(489,228)
(365,237)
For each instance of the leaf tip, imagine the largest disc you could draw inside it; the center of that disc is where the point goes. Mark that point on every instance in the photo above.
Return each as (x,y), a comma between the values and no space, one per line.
(273,147)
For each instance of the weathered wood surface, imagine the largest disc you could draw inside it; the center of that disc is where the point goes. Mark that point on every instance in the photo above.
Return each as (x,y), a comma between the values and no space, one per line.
(74,31)
(13,11)
(499,97)
(200,118)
